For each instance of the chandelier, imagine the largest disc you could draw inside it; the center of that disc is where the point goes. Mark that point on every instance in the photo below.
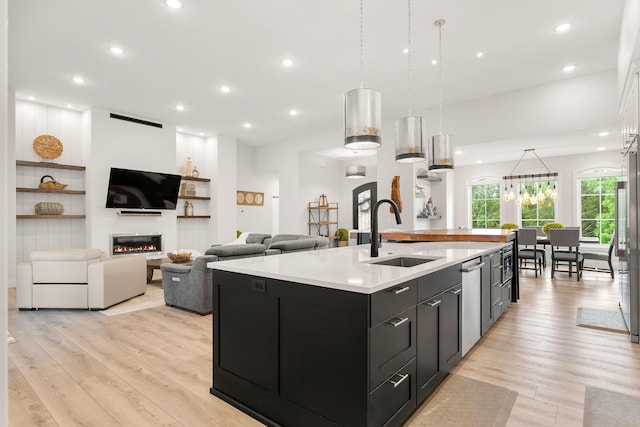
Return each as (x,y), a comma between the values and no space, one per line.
(542,185)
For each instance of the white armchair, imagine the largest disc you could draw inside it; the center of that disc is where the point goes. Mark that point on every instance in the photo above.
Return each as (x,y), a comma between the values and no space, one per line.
(79,278)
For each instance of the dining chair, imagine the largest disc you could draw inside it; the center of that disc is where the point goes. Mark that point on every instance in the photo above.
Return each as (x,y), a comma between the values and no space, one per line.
(600,256)
(565,245)
(528,250)
(541,240)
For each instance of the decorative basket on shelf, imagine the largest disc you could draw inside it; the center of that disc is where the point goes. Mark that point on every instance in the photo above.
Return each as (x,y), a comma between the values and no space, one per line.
(179,256)
(51,185)
(49,208)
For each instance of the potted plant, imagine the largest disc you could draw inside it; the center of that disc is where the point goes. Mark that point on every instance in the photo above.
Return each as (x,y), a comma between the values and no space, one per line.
(550,225)
(509,226)
(343,236)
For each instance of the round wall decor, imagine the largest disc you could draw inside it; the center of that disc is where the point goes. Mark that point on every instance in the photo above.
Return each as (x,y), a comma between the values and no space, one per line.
(47,146)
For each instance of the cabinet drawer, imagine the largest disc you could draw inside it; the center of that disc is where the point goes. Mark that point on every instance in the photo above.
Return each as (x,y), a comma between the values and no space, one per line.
(439,281)
(392,344)
(394,400)
(389,302)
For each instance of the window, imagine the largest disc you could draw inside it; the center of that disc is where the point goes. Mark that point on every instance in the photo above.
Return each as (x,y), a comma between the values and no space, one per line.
(541,212)
(597,204)
(485,205)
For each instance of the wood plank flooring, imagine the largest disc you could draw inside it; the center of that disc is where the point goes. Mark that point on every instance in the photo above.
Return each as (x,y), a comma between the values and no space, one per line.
(153,367)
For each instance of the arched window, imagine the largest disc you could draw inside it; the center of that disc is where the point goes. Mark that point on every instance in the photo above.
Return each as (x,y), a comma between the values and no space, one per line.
(485,202)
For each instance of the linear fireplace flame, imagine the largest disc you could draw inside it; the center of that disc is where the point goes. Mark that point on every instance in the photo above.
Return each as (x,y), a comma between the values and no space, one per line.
(123,244)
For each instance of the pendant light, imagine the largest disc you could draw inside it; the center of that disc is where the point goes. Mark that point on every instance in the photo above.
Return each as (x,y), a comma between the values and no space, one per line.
(409,129)
(362,109)
(355,171)
(440,146)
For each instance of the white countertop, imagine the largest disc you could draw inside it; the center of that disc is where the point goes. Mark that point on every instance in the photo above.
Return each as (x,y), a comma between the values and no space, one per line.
(349,268)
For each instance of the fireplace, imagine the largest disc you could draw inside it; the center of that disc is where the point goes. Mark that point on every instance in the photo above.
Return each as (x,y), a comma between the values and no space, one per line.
(137,243)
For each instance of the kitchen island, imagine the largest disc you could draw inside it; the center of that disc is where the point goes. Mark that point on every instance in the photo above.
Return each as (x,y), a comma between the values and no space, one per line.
(332,338)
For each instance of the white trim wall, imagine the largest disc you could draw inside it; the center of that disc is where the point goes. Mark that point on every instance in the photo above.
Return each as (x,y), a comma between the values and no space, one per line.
(5,190)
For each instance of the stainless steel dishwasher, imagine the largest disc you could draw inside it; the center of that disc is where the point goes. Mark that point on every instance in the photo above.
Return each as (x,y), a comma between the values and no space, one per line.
(471,320)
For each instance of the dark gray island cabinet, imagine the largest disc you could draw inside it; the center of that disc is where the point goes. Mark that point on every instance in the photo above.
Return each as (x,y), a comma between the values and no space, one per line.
(291,354)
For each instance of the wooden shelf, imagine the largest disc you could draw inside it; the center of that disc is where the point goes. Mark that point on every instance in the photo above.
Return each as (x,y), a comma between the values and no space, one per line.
(194,198)
(192,178)
(194,217)
(329,208)
(40,190)
(51,216)
(324,223)
(429,178)
(50,165)
(429,217)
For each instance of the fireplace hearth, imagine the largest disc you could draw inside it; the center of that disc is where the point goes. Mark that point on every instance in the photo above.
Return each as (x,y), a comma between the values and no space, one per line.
(136,243)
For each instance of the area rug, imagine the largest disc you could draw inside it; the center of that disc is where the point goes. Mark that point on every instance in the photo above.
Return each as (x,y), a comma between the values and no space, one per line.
(153,297)
(10,338)
(461,401)
(606,320)
(608,408)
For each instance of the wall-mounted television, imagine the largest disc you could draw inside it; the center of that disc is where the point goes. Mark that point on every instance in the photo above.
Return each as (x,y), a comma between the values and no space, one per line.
(133,189)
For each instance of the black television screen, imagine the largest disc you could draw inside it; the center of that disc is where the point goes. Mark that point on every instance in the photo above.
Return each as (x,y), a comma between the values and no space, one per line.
(131,189)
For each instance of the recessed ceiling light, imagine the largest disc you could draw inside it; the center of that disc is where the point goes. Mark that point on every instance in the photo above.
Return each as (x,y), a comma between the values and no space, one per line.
(247,125)
(605,133)
(478,161)
(180,107)
(562,27)
(287,62)
(116,50)
(201,133)
(479,55)
(69,106)
(225,89)
(568,68)
(459,152)
(601,148)
(434,62)
(173,4)
(293,112)
(78,80)
(31,98)
(179,129)
(405,50)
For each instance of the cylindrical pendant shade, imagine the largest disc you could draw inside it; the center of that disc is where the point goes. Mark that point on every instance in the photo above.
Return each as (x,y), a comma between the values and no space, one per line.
(355,171)
(409,136)
(440,153)
(362,119)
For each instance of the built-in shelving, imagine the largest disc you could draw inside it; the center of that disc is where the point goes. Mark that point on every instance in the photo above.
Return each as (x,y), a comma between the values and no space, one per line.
(41,190)
(50,165)
(51,216)
(193,178)
(194,216)
(429,178)
(429,217)
(194,198)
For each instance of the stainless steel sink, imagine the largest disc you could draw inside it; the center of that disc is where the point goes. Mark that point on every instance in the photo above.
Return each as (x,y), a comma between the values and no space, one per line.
(404,261)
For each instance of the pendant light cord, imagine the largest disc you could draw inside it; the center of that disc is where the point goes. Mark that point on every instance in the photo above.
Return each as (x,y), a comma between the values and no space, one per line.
(361,44)
(409,48)
(440,23)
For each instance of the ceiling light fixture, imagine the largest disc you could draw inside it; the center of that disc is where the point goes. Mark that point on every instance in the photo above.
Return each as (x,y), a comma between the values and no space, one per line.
(601,148)
(31,98)
(69,106)
(173,4)
(355,171)
(405,50)
(362,109)
(180,107)
(225,89)
(409,129)
(562,28)
(247,125)
(605,133)
(537,197)
(479,54)
(287,62)
(116,50)
(440,148)
(568,68)
(78,80)
(459,152)
(293,112)
(434,62)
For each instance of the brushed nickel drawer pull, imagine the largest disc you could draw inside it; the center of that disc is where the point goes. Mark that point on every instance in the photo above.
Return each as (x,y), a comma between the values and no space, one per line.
(397,383)
(472,268)
(434,303)
(456,291)
(399,290)
(398,322)
(501,303)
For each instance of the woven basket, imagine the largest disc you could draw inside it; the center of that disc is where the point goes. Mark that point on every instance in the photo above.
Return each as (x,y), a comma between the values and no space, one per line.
(49,208)
(51,185)
(179,257)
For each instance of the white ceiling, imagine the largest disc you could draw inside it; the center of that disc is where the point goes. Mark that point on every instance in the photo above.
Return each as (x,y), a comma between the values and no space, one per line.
(183,56)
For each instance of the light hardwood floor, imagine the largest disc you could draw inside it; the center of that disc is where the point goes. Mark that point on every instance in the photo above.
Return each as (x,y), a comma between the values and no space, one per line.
(153,367)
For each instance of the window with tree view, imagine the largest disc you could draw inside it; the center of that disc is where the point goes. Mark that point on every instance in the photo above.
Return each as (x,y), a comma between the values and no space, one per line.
(597,203)
(543,210)
(485,206)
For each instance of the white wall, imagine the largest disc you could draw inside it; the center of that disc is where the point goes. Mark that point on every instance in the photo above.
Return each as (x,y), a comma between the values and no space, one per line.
(32,120)
(629,48)
(257,219)
(122,144)
(566,166)
(224,189)
(5,190)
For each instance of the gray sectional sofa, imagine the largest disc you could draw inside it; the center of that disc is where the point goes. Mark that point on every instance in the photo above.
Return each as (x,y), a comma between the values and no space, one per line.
(190,287)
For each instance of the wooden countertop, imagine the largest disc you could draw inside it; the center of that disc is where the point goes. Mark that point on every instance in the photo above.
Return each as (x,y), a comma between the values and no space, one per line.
(451,235)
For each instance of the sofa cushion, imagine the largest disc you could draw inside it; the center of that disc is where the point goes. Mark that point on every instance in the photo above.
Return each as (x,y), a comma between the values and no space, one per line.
(294,245)
(227,251)
(257,238)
